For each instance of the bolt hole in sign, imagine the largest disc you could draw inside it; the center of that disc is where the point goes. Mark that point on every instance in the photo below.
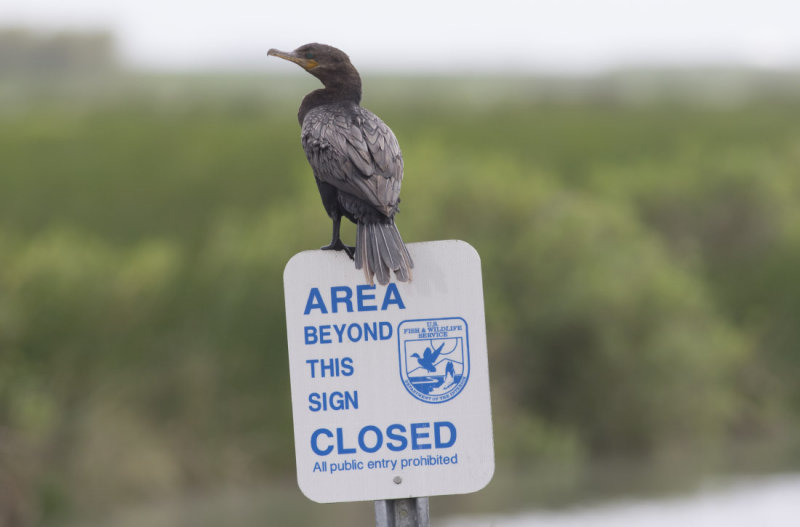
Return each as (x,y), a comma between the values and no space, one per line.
(390,384)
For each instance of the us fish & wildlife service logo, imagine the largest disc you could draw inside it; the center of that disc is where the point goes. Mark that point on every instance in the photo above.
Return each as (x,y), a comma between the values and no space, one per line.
(434,357)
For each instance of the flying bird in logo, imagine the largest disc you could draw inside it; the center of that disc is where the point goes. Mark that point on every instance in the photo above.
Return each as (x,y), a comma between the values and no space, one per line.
(428,359)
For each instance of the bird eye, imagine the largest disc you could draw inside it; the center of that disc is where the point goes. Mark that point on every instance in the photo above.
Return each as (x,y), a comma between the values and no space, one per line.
(309,55)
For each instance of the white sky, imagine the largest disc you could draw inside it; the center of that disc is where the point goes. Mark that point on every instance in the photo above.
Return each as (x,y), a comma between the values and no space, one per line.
(490,35)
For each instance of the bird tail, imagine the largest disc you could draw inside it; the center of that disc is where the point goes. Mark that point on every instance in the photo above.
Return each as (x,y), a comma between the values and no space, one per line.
(380,250)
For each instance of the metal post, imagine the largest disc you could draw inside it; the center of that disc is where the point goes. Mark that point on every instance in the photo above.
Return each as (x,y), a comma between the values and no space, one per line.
(406,512)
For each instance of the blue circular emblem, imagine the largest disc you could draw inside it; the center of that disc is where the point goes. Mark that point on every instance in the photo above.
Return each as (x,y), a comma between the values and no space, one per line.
(434,357)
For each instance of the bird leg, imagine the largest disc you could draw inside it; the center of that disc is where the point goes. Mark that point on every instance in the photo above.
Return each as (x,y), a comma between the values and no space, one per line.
(336,240)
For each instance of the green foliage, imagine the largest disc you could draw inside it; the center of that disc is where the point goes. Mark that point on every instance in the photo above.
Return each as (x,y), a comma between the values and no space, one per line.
(639,266)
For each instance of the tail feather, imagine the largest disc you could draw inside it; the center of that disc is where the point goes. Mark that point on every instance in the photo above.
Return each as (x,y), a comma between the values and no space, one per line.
(361,256)
(385,250)
(380,251)
(403,267)
(376,262)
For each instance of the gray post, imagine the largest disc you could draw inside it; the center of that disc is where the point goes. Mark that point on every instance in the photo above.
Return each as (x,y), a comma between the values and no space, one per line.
(406,512)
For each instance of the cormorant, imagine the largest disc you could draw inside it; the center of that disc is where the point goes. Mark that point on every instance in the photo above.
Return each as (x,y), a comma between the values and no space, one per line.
(356,161)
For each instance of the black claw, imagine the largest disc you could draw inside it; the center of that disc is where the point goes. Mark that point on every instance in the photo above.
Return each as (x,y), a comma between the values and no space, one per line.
(330,247)
(339,246)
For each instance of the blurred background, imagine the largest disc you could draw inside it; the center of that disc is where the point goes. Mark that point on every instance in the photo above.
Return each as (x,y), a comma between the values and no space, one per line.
(628,170)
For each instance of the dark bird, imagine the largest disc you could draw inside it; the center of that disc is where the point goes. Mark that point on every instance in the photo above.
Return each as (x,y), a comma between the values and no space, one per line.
(428,359)
(356,162)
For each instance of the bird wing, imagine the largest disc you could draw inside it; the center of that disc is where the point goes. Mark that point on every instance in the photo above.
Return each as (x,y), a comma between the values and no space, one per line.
(355,152)
(437,351)
(427,354)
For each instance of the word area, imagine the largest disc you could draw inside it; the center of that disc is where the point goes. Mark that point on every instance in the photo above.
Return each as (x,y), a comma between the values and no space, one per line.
(363,299)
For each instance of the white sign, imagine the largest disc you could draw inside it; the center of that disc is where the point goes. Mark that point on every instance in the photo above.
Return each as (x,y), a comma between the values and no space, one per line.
(390,384)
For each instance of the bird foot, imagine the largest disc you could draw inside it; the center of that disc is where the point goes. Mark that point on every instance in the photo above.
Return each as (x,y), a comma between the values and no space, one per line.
(339,246)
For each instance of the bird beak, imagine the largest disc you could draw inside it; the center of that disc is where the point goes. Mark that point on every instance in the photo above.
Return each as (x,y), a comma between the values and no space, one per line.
(292,56)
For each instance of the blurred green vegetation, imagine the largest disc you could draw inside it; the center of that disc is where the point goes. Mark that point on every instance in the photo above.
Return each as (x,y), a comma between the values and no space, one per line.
(640,254)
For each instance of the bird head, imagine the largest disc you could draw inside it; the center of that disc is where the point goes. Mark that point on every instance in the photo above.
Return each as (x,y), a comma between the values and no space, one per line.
(320,60)
(329,64)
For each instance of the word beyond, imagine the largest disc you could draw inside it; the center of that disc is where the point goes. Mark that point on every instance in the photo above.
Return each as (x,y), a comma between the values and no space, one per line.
(331,333)
(363,299)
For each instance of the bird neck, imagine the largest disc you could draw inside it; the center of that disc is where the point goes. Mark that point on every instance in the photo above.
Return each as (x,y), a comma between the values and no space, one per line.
(343,87)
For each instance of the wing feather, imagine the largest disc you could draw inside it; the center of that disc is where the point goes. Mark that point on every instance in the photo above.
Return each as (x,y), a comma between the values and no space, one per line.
(353,150)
